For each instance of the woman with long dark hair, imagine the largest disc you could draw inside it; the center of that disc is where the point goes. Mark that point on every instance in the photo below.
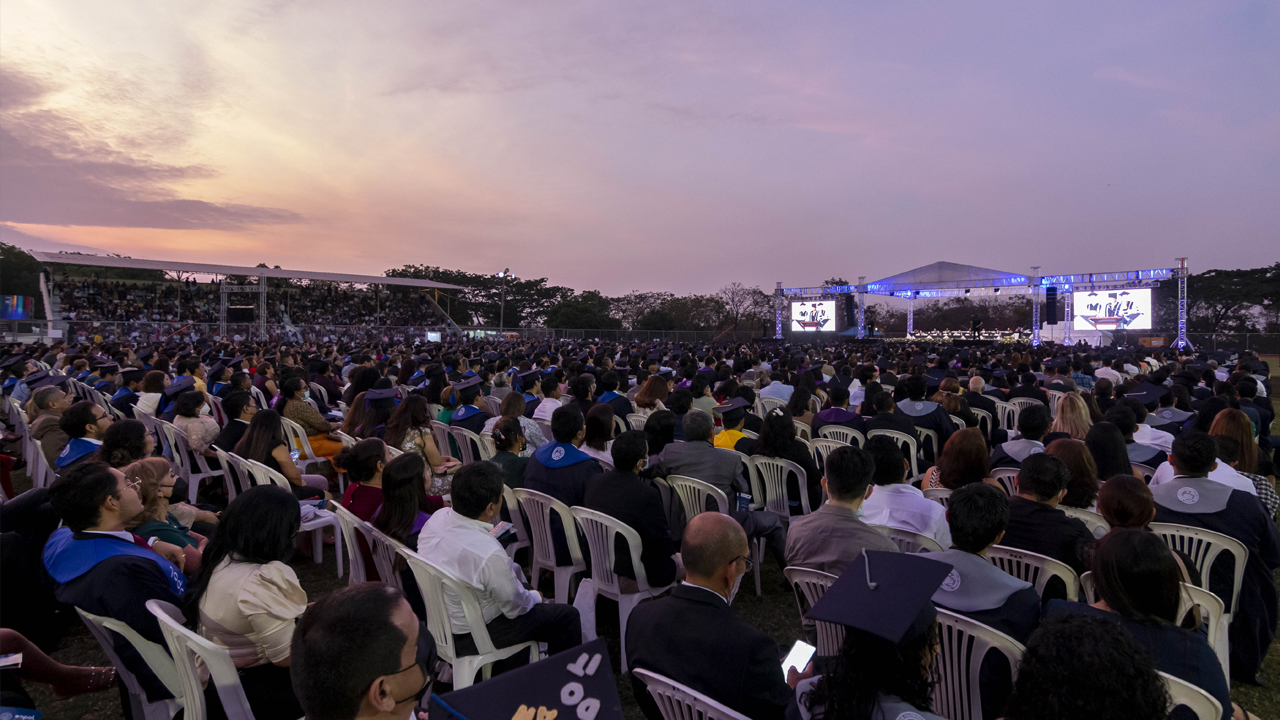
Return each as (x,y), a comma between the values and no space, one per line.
(659,431)
(264,441)
(599,433)
(1106,445)
(362,379)
(247,599)
(377,412)
(1082,491)
(778,440)
(363,464)
(403,495)
(798,406)
(964,460)
(294,394)
(409,430)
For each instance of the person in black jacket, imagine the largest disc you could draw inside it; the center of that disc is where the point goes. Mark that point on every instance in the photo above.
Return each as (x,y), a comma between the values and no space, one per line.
(926,414)
(1036,524)
(610,396)
(887,417)
(622,495)
(692,636)
(778,440)
(1030,389)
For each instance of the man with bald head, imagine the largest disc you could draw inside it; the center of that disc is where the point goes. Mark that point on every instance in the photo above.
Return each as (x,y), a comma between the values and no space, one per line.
(692,637)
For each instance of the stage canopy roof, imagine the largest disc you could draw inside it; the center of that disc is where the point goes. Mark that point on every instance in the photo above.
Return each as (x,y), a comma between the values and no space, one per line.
(64,258)
(945,276)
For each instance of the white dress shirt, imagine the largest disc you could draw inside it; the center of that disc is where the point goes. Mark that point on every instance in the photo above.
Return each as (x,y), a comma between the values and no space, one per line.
(1224,474)
(545,408)
(1148,435)
(777,390)
(464,548)
(904,507)
(1108,373)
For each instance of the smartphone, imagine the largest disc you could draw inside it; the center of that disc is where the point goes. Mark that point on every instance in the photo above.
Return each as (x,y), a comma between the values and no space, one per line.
(295,454)
(799,657)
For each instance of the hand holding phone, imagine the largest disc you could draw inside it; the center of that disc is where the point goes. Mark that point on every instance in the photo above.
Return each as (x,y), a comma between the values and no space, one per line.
(798,659)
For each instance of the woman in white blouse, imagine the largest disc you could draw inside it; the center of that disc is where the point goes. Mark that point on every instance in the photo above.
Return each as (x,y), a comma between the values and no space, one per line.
(247,599)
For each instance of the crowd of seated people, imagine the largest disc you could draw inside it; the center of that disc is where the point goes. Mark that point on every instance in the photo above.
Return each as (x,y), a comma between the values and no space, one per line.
(119,526)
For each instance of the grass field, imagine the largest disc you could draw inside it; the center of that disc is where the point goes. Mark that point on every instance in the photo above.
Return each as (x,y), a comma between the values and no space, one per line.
(775,613)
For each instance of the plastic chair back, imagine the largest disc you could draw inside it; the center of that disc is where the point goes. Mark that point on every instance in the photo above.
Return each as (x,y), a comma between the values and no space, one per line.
(1055,397)
(1021,403)
(1204,547)
(985,423)
(185,646)
(846,435)
(1092,520)
(494,405)
(957,692)
(811,585)
(440,434)
(156,657)
(942,496)
(677,702)
(517,521)
(1183,693)
(773,480)
(909,542)
(538,507)
(693,494)
(1007,415)
(637,421)
(1146,472)
(385,549)
(770,404)
(215,407)
(929,441)
(470,446)
(353,530)
(1034,568)
(803,431)
(601,532)
(911,452)
(1005,476)
(822,447)
(232,473)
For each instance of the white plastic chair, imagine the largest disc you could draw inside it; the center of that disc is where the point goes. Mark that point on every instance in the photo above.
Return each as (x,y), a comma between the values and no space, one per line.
(911,453)
(957,692)
(263,475)
(846,435)
(517,521)
(1021,403)
(620,426)
(1055,396)
(440,434)
(812,585)
(1007,414)
(677,702)
(823,447)
(1181,692)
(492,403)
(156,657)
(929,439)
(1146,472)
(773,480)
(637,421)
(184,647)
(298,441)
(233,473)
(1204,547)
(318,390)
(1092,520)
(215,407)
(538,508)
(909,542)
(259,397)
(384,549)
(347,441)
(192,467)
(433,582)
(984,419)
(42,474)
(352,528)
(693,494)
(958,422)
(470,446)
(1005,476)
(942,496)
(803,431)
(1034,568)
(601,532)
(770,404)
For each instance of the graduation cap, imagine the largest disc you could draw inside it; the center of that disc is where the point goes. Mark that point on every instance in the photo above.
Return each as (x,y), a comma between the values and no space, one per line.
(132,374)
(146,352)
(467,389)
(217,368)
(109,368)
(886,594)
(45,378)
(12,360)
(1148,394)
(733,410)
(380,394)
(179,386)
(577,683)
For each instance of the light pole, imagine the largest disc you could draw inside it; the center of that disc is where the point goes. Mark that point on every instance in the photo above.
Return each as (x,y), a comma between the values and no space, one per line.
(502,311)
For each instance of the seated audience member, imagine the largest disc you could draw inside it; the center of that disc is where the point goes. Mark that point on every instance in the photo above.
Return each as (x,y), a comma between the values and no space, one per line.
(513,405)
(1137,583)
(610,396)
(363,464)
(409,430)
(698,458)
(1143,433)
(85,423)
(1029,387)
(247,599)
(885,666)
(752,421)
(240,408)
(560,469)
(264,441)
(1193,499)
(1231,456)
(1079,667)
(888,417)
(471,413)
(775,388)
(1125,502)
(1106,446)
(833,535)
(839,413)
(622,495)
(360,652)
(652,396)
(509,441)
(680,402)
(925,413)
(734,415)
(541,407)
(1122,417)
(659,431)
(99,567)
(1082,491)
(778,440)
(379,403)
(894,502)
(799,407)
(976,399)
(126,442)
(401,518)
(321,434)
(154,480)
(599,434)
(692,637)
(152,392)
(1035,522)
(67,681)
(1033,423)
(1072,419)
(457,539)
(963,460)
(193,419)
(44,413)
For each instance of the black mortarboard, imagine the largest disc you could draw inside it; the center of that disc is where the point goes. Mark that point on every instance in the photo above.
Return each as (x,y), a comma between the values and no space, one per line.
(44,378)
(886,594)
(132,374)
(179,386)
(576,683)
(146,352)
(468,388)
(1148,394)
(217,368)
(110,368)
(380,394)
(12,360)
(435,371)
(733,409)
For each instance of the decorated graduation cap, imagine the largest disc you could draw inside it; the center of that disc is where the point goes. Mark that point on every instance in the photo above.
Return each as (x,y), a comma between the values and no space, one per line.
(577,684)
(886,594)
(179,386)
(733,410)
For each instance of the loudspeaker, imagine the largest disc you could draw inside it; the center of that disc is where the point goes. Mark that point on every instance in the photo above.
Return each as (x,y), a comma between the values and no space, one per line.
(1051,305)
(850,312)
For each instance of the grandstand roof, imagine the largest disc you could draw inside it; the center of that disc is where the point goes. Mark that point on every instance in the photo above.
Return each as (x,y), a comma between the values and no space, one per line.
(65,258)
(945,275)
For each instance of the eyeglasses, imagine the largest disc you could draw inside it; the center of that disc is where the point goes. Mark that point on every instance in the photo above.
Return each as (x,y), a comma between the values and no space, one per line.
(750,563)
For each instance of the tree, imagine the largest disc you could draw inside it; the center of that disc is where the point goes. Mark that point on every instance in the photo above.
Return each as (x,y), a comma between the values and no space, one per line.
(1221,301)
(586,311)
(737,300)
(632,307)
(480,300)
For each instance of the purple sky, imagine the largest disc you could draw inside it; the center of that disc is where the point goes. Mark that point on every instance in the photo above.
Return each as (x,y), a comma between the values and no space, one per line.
(652,146)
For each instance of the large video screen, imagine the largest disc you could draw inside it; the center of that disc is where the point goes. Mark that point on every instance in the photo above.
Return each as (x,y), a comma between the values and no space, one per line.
(1112,310)
(813,316)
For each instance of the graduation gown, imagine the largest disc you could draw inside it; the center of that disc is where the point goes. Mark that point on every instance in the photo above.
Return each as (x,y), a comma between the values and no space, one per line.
(123,400)
(531,403)
(1204,503)
(561,471)
(77,450)
(930,416)
(621,405)
(1012,453)
(839,416)
(469,417)
(1145,454)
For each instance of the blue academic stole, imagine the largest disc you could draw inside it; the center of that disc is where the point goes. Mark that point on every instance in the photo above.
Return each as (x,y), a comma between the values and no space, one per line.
(76,449)
(67,558)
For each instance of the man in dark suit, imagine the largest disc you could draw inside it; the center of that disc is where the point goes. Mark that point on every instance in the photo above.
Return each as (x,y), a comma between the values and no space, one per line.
(1029,389)
(1036,524)
(240,408)
(887,417)
(977,399)
(692,637)
(622,495)
(104,570)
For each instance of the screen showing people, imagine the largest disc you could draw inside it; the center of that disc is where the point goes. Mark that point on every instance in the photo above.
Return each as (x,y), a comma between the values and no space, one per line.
(1112,309)
(813,315)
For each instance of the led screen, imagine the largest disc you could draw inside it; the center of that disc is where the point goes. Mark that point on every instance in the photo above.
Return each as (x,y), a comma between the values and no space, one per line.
(1112,310)
(813,316)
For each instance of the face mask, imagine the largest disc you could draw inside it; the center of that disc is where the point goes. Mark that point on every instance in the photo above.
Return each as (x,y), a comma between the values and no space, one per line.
(306,394)
(204,409)
(733,592)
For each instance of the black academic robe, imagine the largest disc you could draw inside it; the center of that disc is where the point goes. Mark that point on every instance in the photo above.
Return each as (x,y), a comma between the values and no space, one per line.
(124,400)
(839,416)
(1241,516)
(564,479)
(620,404)
(930,416)
(531,403)
(469,417)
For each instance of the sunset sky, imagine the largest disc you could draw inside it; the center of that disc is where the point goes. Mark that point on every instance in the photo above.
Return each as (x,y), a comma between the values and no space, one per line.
(645,146)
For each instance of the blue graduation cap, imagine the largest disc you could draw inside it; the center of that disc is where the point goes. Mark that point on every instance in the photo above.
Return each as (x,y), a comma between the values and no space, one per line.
(886,594)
